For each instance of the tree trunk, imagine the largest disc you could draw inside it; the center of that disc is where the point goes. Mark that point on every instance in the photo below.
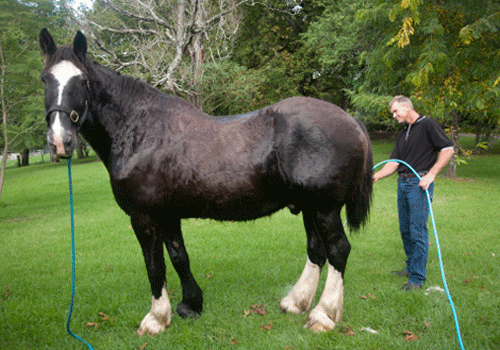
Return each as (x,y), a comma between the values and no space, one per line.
(2,167)
(196,51)
(4,122)
(79,149)
(451,171)
(25,157)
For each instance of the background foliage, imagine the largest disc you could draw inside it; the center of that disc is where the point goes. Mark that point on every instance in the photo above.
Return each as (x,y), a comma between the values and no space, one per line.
(235,56)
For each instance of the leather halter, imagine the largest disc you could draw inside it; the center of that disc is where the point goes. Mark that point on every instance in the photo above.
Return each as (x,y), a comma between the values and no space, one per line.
(74,116)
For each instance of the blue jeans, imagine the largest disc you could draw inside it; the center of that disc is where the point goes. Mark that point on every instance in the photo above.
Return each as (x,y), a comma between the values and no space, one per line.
(413,210)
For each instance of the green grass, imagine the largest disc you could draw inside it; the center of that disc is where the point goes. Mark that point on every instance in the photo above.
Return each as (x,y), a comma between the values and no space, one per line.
(237,265)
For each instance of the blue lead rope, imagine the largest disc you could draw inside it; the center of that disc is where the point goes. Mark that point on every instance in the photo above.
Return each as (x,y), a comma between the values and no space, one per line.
(457,326)
(73,260)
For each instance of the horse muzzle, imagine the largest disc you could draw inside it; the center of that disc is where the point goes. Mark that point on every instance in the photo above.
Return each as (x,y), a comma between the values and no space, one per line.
(61,144)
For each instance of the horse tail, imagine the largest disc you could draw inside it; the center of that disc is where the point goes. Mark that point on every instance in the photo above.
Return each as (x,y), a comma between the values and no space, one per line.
(358,203)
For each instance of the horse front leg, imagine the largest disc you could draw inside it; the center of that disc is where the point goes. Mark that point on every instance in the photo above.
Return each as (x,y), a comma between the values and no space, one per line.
(151,241)
(300,297)
(328,313)
(192,295)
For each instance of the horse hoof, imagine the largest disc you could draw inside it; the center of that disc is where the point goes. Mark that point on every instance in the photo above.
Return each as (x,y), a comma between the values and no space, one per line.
(185,311)
(287,305)
(150,325)
(319,322)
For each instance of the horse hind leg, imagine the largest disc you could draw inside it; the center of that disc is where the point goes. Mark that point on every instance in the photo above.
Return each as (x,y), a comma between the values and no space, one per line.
(159,317)
(299,299)
(328,312)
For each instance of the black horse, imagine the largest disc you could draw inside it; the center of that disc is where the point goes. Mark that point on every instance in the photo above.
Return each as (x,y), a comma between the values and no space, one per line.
(167,160)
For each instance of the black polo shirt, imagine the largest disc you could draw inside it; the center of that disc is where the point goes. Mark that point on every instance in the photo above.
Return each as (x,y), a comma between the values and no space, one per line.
(419,144)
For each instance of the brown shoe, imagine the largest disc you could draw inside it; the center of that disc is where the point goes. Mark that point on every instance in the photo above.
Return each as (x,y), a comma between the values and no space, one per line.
(402,273)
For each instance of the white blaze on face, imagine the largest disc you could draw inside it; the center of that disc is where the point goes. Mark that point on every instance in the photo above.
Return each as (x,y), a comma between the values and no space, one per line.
(57,135)
(62,72)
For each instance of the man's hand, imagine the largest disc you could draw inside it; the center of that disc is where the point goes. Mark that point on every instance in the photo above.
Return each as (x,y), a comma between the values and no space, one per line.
(426,181)
(444,158)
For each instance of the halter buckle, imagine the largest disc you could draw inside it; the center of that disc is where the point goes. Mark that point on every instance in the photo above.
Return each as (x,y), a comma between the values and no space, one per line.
(74,116)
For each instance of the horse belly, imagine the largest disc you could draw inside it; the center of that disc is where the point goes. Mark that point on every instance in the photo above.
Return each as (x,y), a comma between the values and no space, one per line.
(237,201)
(241,210)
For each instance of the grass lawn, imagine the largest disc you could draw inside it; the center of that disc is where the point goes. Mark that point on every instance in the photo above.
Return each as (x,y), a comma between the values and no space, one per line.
(239,265)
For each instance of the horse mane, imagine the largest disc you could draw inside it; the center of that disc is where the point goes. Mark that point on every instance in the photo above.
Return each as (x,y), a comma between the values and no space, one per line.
(127,91)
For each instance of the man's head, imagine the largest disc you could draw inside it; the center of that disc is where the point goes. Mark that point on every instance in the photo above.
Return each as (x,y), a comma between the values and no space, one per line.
(402,110)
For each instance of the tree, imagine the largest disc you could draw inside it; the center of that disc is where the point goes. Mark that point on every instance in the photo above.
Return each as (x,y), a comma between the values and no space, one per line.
(442,54)
(20,90)
(269,44)
(167,43)
(342,40)
(453,73)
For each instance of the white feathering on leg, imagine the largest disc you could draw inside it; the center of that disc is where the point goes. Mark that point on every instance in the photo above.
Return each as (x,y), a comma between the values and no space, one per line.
(328,312)
(300,297)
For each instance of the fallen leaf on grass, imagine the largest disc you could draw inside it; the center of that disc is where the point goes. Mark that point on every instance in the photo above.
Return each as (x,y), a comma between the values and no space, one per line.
(410,336)
(234,341)
(268,327)
(106,317)
(255,309)
(103,318)
(7,294)
(365,297)
(347,330)
(143,346)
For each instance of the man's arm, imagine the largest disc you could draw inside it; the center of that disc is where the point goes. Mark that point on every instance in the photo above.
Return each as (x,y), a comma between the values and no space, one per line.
(444,158)
(387,170)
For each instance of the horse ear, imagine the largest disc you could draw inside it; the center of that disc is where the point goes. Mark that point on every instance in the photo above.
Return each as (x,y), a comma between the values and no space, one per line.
(47,43)
(80,45)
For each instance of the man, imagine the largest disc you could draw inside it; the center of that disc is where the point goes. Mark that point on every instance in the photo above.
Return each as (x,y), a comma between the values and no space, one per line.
(424,145)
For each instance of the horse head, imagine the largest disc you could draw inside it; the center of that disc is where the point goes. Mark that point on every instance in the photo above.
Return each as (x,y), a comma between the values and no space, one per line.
(67,91)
